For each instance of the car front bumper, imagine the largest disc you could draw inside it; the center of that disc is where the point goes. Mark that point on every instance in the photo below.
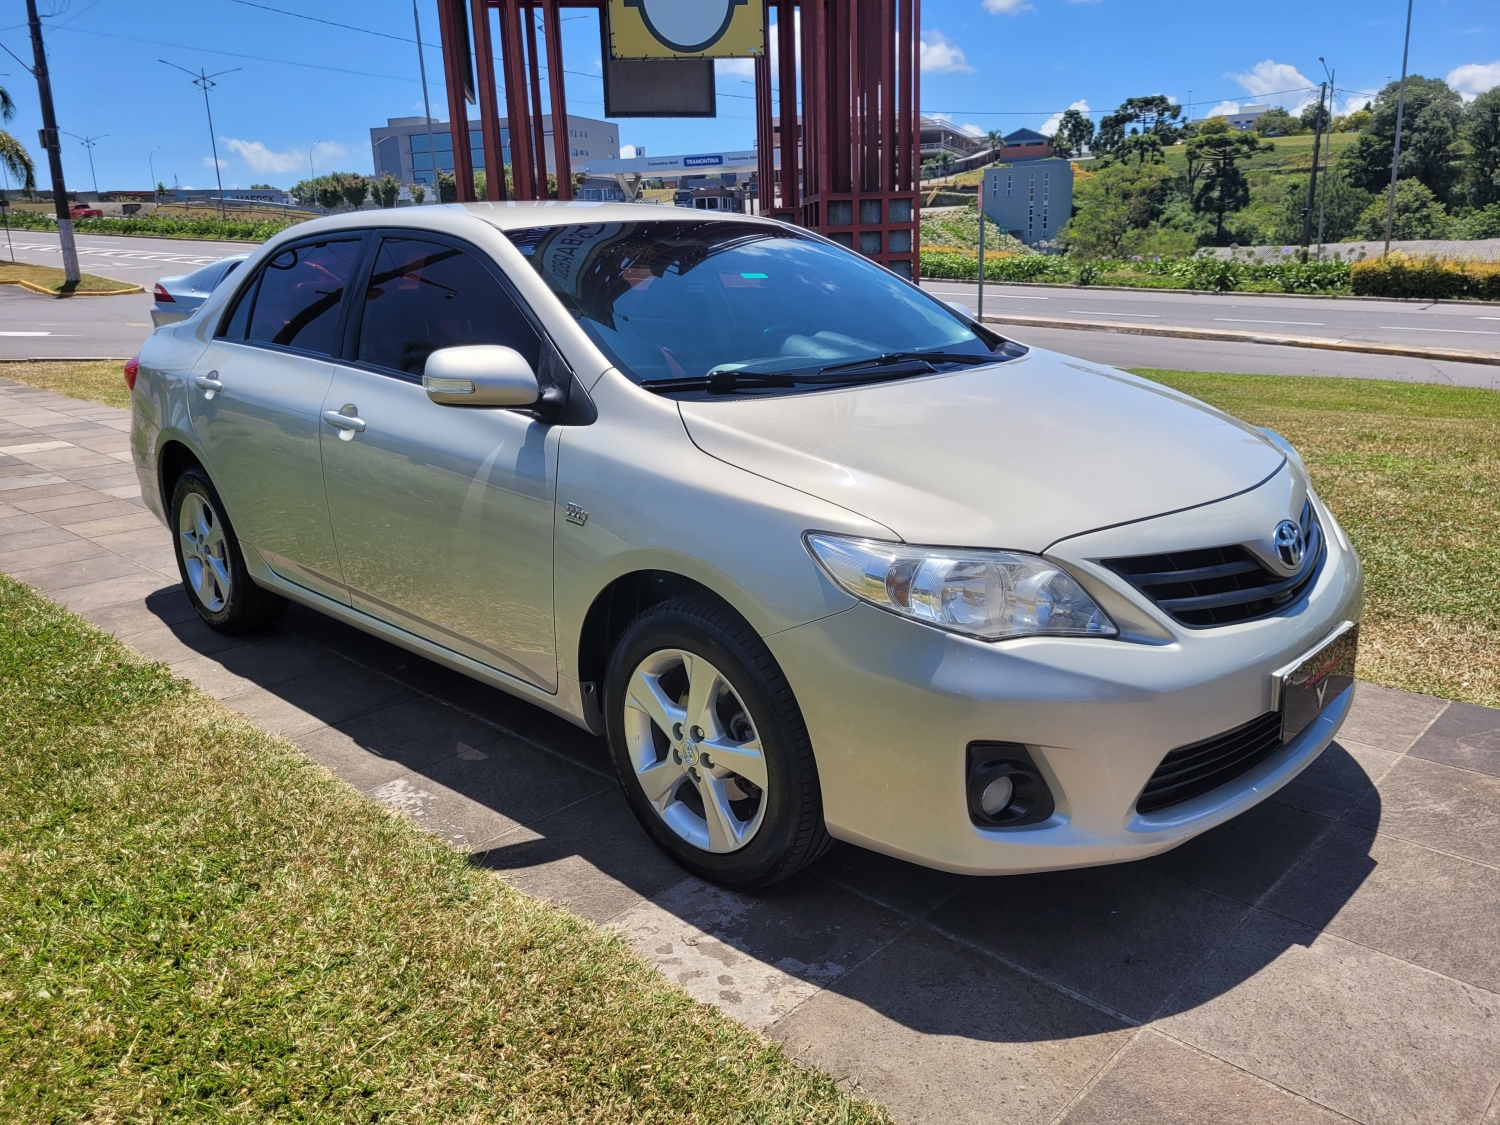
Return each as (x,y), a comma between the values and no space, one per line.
(891,706)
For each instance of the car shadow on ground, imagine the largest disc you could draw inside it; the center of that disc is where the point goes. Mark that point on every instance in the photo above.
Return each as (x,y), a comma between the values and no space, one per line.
(1019,958)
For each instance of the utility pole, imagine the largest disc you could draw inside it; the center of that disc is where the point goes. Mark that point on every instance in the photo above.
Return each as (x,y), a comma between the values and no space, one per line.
(1323,192)
(427,107)
(151,161)
(205,82)
(1312,180)
(88,143)
(53,144)
(980,313)
(1390,205)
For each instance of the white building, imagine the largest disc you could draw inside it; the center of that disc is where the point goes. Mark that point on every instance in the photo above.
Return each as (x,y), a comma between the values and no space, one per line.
(401,147)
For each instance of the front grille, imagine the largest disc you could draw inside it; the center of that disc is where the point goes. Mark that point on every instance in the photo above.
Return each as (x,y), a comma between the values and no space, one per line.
(1190,771)
(1222,585)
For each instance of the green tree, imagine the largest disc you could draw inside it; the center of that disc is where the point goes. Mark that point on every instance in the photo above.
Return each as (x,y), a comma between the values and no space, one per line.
(262,187)
(386,190)
(1484,223)
(1310,115)
(13,154)
(418,193)
(1277,122)
(1115,209)
(328,192)
(1222,187)
(447,188)
(1141,127)
(1418,214)
(1429,137)
(355,189)
(1342,204)
(1075,132)
(1481,132)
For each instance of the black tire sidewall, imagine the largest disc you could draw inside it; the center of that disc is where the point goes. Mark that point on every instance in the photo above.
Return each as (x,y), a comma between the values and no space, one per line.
(694,628)
(240,585)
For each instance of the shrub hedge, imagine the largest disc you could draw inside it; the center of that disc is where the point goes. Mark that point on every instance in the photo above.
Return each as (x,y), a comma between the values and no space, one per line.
(236,229)
(1220,274)
(1399,275)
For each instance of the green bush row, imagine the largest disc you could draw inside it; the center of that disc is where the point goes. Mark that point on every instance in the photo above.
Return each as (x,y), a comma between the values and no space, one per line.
(1220,274)
(237,229)
(1398,275)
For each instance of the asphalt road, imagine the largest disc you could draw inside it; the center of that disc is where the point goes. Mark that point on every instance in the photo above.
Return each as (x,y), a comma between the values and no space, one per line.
(1471,327)
(139,261)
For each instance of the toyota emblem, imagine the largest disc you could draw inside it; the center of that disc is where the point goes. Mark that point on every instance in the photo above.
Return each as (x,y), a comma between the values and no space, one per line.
(1290,544)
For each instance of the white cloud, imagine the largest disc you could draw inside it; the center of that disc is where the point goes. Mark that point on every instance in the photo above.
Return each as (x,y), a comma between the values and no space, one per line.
(1049,127)
(208,162)
(627,152)
(1274,83)
(262,159)
(1473,79)
(971,130)
(1006,7)
(1223,109)
(942,57)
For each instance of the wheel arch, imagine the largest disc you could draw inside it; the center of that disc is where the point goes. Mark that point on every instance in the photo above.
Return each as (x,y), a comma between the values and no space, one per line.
(174,456)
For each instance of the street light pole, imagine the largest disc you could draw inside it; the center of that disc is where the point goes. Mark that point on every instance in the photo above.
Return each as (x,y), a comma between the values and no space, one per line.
(1323,191)
(53,144)
(88,143)
(1312,181)
(427,106)
(1390,206)
(205,82)
(151,161)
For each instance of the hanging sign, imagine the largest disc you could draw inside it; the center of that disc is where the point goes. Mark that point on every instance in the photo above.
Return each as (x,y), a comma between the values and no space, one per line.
(686,29)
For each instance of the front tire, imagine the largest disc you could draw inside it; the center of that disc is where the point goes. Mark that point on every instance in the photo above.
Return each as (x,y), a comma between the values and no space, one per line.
(710,746)
(211,563)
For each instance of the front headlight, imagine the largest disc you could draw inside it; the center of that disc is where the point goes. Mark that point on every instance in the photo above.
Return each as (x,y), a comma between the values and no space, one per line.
(986,594)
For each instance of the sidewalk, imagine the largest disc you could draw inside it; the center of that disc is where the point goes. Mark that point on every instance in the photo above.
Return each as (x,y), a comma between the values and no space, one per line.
(1333,955)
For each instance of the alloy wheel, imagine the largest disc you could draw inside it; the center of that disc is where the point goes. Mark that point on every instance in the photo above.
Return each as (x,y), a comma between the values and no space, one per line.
(695,751)
(205,553)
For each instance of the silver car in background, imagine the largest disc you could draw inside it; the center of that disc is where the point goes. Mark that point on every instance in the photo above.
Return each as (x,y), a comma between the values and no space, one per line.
(820,556)
(177,298)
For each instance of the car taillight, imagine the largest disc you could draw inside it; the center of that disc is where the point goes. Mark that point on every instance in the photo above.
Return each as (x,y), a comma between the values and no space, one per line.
(132,369)
(162,296)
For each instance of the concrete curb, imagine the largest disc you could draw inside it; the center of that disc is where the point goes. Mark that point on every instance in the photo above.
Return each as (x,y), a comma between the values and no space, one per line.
(1455,355)
(64,359)
(33,287)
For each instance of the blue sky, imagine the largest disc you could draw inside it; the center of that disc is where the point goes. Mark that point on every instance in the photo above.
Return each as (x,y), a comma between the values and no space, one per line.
(987,64)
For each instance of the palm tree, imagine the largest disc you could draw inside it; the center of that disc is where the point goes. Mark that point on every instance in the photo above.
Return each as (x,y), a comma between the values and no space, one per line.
(996,140)
(12,154)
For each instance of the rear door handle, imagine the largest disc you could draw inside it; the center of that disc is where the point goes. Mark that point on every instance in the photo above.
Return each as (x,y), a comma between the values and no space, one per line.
(347,424)
(209,384)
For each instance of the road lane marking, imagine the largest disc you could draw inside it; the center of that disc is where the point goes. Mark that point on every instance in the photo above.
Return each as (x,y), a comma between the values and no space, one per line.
(139,255)
(1251,320)
(1463,331)
(1140,316)
(25,333)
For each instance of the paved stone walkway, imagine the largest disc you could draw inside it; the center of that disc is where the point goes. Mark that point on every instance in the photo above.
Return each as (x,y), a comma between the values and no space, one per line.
(1333,955)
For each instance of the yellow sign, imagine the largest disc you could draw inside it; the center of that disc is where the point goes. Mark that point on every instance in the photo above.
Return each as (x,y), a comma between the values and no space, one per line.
(686,29)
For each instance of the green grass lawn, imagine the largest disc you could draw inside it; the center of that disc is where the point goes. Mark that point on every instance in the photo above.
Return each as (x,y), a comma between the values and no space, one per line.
(1413,473)
(198,924)
(53,279)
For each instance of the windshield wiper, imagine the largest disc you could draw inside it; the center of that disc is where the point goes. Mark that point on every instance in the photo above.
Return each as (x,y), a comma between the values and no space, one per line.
(728,382)
(892,358)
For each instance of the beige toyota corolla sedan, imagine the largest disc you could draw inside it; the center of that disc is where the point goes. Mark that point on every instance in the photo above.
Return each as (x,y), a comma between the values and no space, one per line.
(819,555)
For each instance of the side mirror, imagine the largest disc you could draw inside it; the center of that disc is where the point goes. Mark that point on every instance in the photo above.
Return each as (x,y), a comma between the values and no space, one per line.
(480,375)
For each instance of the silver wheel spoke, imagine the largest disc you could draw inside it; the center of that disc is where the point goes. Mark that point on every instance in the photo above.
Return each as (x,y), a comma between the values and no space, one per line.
(646,695)
(220,574)
(743,758)
(213,539)
(189,544)
(723,826)
(658,781)
(703,691)
(206,586)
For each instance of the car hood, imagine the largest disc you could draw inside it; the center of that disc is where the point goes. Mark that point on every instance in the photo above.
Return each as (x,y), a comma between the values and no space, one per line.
(1015,455)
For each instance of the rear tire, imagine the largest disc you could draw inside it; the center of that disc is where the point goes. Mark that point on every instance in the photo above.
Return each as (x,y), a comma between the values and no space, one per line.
(211,563)
(710,746)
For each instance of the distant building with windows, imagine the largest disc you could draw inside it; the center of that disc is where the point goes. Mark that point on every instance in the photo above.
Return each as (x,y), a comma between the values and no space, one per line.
(1245,119)
(1024,144)
(1031,199)
(401,146)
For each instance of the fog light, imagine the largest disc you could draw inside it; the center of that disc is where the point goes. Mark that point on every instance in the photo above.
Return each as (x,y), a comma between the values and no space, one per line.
(1005,787)
(996,796)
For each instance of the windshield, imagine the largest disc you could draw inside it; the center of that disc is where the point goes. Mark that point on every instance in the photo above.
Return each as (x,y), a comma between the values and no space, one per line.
(671,300)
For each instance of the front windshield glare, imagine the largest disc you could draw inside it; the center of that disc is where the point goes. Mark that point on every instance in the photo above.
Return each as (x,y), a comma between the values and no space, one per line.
(682,299)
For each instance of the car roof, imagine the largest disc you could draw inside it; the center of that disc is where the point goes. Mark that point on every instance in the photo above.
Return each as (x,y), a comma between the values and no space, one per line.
(514,216)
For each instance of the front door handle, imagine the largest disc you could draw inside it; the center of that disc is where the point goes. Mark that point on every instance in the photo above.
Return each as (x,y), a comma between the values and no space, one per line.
(209,384)
(348,424)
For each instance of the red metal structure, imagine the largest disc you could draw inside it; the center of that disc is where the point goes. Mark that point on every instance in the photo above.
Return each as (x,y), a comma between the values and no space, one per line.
(849,159)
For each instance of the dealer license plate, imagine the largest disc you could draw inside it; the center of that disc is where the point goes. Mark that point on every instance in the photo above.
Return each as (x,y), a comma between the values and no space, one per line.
(1317,680)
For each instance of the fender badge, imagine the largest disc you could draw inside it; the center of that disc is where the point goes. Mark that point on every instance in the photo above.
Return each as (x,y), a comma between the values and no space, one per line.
(577,515)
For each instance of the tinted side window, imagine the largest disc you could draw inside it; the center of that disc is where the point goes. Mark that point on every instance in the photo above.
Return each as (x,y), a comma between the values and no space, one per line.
(239,321)
(300,291)
(424,296)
